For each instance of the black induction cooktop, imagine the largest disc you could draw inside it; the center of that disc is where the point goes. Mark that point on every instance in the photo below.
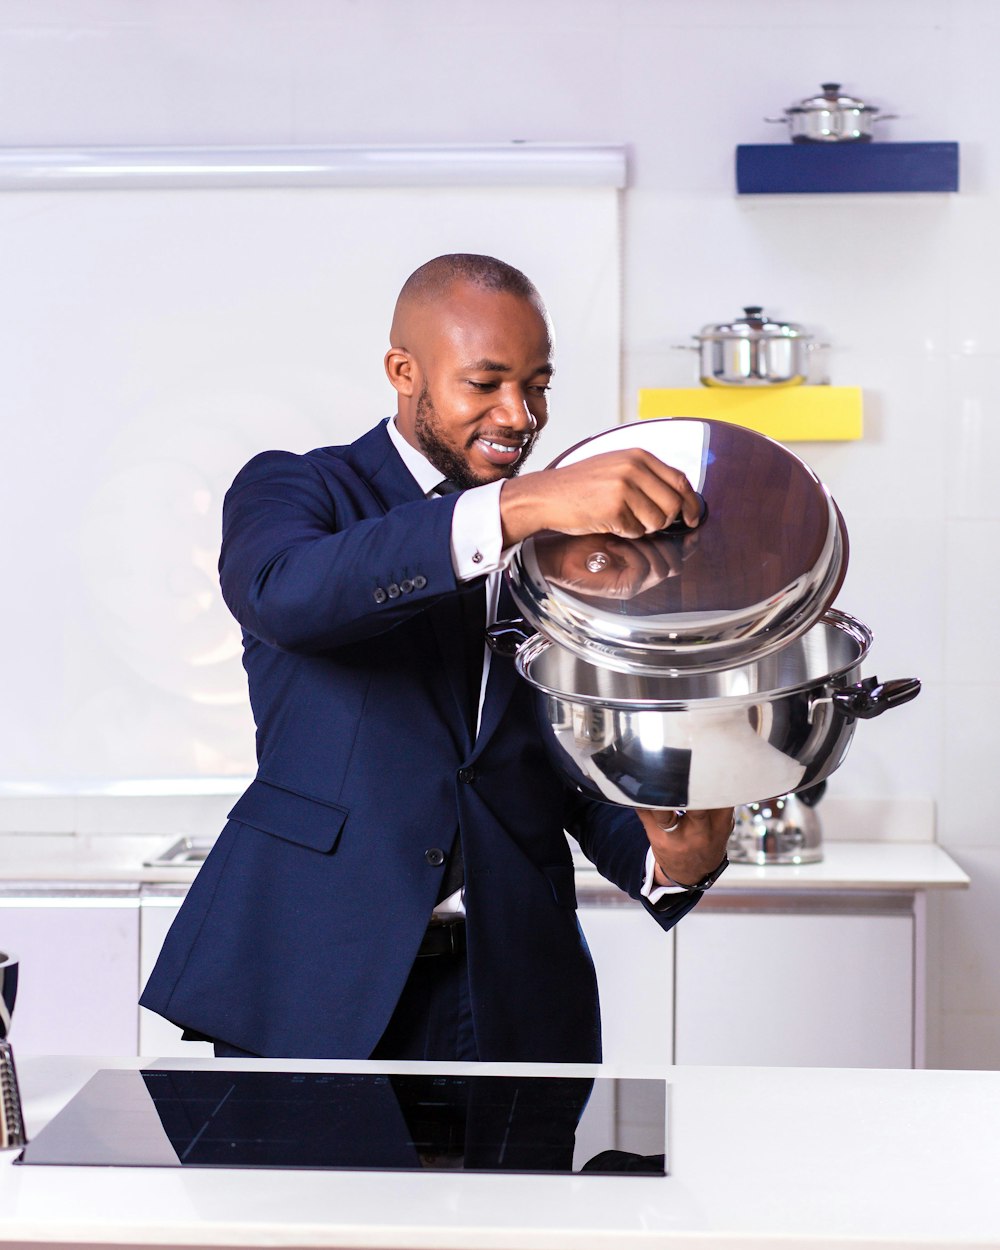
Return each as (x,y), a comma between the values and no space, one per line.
(219,1118)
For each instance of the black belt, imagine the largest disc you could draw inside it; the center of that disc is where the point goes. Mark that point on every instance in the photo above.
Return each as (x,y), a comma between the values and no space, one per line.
(443,937)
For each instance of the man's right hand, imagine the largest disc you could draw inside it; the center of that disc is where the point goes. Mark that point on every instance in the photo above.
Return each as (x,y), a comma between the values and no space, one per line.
(629,493)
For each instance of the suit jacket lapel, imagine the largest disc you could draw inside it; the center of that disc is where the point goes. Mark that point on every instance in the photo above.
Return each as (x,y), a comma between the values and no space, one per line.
(391,484)
(378,463)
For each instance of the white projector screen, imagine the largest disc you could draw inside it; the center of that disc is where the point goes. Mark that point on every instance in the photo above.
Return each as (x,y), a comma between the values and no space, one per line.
(151,342)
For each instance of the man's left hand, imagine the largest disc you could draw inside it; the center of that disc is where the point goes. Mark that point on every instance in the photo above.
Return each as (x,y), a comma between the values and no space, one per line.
(686,845)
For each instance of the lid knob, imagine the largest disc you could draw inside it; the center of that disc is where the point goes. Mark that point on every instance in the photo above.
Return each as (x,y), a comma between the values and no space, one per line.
(830,88)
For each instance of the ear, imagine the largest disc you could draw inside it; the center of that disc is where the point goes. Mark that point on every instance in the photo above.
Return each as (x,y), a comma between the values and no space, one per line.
(401,370)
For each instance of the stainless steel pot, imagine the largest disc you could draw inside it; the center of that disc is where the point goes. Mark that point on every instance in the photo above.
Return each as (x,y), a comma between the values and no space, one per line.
(697,667)
(753,350)
(709,739)
(832,117)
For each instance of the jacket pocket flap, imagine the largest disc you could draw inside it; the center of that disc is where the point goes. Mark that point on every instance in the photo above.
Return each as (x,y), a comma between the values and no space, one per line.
(563,884)
(294,817)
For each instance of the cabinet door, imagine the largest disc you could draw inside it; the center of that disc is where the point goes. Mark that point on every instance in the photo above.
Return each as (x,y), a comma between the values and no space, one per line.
(156,1035)
(800,983)
(634,961)
(78,975)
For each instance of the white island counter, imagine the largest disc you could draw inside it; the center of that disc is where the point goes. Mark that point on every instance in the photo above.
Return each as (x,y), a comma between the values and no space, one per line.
(757,1157)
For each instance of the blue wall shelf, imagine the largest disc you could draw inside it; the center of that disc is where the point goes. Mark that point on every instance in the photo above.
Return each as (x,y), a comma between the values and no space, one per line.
(796,168)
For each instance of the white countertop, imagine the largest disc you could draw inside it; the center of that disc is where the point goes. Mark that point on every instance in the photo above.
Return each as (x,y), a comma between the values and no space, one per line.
(757,1156)
(117,859)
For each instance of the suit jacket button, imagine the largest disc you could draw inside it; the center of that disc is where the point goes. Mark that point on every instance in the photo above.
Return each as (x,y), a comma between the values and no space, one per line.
(435,856)
(393,590)
(468,775)
(420,581)
(406,585)
(379,595)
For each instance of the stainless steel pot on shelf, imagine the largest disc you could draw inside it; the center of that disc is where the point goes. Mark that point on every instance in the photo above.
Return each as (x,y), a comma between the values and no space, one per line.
(753,350)
(703,667)
(831,117)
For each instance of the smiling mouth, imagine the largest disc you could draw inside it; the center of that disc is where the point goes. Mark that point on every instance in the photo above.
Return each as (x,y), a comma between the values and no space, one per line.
(499,452)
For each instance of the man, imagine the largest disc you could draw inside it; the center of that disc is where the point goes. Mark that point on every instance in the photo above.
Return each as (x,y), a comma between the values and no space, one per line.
(394,782)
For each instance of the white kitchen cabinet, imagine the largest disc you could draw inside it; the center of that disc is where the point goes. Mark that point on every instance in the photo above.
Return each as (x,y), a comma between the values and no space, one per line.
(78,949)
(633,956)
(820,980)
(158,1037)
(634,959)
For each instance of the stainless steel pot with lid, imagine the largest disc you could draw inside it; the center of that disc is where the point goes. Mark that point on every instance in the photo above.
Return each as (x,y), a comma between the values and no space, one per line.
(767,559)
(697,667)
(753,350)
(831,117)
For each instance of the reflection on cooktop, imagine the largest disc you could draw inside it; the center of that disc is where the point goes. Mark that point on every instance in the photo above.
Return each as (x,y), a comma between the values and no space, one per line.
(219,1118)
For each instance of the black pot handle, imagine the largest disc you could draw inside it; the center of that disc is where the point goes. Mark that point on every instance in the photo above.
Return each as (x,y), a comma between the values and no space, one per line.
(811,795)
(507,637)
(871,697)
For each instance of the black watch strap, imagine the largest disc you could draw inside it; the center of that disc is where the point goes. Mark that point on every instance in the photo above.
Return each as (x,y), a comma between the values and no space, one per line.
(707,881)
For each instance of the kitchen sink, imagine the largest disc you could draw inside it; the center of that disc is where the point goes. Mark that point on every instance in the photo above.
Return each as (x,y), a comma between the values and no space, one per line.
(183,853)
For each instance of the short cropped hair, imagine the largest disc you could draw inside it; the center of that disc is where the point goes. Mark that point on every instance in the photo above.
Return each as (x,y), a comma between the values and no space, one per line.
(436,276)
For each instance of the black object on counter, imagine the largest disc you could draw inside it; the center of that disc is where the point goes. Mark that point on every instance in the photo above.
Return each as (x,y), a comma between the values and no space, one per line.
(211,1117)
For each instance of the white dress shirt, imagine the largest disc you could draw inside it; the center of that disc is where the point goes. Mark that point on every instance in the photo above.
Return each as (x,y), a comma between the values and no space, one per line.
(477,548)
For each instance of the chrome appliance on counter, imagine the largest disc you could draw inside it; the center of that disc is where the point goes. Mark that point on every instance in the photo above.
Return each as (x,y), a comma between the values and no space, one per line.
(781,830)
(12,1133)
(698,667)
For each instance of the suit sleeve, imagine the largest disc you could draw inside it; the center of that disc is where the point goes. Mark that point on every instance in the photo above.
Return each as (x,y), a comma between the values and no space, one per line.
(303,568)
(615,842)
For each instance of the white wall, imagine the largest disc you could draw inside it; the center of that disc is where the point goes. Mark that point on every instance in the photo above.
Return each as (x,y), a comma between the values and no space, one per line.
(905,287)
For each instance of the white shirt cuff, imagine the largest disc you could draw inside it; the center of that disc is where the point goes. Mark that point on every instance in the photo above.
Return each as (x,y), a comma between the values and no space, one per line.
(476,533)
(650,890)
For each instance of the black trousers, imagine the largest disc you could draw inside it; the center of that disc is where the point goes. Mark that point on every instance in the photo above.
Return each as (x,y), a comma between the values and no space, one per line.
(432,1020)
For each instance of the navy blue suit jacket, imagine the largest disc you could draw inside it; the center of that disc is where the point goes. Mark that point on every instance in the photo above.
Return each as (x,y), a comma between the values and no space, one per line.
(299,931)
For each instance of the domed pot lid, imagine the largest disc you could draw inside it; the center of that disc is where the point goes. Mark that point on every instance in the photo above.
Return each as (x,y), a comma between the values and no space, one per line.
(762,566)
(832,100)
(752,325)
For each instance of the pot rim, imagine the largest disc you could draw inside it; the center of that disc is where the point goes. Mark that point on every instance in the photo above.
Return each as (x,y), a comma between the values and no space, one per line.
(830,106)
(856,630)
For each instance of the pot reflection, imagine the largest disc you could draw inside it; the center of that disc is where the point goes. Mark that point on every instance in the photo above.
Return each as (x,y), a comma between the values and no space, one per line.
(607,567)
(649,758)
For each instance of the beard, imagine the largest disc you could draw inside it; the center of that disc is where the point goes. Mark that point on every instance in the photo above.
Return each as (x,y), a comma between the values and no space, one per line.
(447,458)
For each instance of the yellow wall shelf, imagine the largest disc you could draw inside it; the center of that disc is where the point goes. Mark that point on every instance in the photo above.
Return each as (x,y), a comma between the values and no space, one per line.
(788,414)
